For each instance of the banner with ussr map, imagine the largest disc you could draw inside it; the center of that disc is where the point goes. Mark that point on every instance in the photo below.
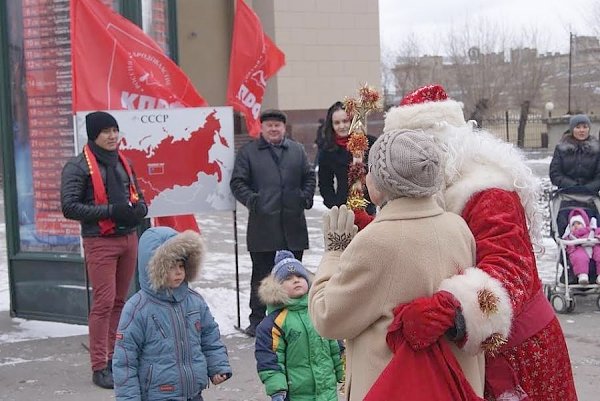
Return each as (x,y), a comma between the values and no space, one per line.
(183,158)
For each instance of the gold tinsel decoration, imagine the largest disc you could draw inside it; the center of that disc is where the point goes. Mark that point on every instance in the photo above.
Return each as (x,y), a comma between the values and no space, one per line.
(488,301)
(356,202)
(493,343)
(357,144)
(358,109)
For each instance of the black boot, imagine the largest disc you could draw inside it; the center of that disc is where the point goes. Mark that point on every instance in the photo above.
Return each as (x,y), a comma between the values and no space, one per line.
(250,330)
(103,378)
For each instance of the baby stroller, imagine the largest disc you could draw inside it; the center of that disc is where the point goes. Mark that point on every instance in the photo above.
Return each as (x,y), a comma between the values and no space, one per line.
(565,288)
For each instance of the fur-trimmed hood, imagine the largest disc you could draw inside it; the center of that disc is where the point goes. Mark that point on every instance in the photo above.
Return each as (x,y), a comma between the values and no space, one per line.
(568,144)
(159,248)
(272,294)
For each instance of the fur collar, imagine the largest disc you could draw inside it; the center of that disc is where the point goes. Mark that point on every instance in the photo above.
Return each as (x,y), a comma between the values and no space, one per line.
(188,245)
(568,144)
(271,292)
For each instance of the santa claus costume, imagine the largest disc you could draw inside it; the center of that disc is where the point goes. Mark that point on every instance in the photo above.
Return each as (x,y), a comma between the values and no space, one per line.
(489,185)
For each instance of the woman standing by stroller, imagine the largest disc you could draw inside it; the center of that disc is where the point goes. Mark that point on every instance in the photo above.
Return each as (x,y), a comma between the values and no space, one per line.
(576,161)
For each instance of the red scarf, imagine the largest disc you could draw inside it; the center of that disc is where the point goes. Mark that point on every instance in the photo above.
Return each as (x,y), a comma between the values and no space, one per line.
(107,226)
(342,140)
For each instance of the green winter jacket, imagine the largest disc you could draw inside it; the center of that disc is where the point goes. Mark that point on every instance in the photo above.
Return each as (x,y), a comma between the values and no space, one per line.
(291,356)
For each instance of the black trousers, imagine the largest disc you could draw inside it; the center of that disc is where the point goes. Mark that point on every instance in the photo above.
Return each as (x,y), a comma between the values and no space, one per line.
(262,264)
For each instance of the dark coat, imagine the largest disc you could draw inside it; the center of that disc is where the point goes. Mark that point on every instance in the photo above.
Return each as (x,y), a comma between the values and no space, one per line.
(77,196)
(576,163)
(334,163)
(275,193)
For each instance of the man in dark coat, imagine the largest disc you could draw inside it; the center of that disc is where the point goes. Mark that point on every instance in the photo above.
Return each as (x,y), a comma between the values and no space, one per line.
(274,180)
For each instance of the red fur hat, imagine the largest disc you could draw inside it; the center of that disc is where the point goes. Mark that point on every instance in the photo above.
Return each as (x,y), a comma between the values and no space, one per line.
(424,108)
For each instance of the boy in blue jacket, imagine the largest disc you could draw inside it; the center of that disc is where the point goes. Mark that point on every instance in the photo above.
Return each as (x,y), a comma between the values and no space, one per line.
(168,343)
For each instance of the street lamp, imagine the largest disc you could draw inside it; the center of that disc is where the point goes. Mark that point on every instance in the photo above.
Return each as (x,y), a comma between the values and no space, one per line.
(549,106)
(571,36)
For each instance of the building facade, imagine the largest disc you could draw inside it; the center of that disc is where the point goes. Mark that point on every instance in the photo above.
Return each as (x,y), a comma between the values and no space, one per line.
(331,47)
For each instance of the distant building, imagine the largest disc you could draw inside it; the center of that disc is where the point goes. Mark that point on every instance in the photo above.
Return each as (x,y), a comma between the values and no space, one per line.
(506,80)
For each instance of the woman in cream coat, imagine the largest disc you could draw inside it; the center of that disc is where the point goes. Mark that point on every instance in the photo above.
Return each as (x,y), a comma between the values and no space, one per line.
(405,253)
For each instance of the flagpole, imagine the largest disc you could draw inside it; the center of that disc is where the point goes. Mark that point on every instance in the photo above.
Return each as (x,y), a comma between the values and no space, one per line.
(237,268)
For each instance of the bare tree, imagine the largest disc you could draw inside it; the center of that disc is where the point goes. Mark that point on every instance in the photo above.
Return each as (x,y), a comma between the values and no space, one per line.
(528,72)
(594,18)
(388,63)
(476,51)
(412,69)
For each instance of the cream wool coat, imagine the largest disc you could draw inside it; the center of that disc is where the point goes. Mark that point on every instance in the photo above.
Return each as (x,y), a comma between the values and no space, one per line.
(405,253)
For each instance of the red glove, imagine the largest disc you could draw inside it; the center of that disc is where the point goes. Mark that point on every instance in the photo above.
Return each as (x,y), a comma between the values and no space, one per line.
(426,319)
(362,218)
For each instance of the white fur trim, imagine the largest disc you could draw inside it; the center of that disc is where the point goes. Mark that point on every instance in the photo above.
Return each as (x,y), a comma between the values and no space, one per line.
(480,326)
(578,218)
(474,179)
(476,161)
(424,115)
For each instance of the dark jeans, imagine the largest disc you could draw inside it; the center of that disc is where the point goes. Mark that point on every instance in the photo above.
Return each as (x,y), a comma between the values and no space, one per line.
(262,264)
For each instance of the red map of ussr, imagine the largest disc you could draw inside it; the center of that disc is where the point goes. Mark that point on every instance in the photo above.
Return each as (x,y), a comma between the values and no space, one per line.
(176,162)
(183,158)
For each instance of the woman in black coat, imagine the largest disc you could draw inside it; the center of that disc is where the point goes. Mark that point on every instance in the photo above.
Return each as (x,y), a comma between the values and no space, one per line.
(334,158)
(576,160)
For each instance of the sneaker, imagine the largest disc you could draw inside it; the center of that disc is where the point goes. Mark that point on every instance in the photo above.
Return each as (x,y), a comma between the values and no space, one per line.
(103,378)
(583,278)
(250,331)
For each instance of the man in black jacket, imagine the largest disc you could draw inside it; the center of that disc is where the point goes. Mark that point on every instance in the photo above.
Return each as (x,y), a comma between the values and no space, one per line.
(274,180)
(99,189)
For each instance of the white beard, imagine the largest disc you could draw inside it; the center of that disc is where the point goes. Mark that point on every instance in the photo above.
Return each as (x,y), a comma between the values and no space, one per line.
(476,160)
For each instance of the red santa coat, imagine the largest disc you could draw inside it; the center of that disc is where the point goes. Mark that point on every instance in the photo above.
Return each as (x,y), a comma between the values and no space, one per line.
(504,251)
(489,185)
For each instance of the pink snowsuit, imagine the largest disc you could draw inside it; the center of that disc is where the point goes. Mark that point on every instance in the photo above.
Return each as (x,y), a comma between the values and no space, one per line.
(579,255)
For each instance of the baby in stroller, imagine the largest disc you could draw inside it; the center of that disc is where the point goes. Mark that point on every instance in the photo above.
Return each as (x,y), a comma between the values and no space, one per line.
(581,227)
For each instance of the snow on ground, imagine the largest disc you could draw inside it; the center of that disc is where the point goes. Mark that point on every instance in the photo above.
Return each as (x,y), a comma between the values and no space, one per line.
(217,279)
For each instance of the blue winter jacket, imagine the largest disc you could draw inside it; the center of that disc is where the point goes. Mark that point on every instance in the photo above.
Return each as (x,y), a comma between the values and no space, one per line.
(168,343)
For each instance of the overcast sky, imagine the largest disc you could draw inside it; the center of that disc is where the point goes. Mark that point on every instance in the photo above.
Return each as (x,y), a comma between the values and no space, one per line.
(430,19)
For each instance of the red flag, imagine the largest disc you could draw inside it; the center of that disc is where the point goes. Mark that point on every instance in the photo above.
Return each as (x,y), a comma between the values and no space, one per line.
(254,59)
(115,65)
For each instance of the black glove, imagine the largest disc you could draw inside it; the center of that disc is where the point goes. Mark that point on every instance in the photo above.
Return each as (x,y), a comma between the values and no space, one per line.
(124,215)
(457,332)
(140,210)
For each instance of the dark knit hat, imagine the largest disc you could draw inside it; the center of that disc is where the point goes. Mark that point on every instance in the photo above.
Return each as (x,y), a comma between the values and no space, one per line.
(97,121)
(273,114)
(578,119)
(285,265)
(406,164)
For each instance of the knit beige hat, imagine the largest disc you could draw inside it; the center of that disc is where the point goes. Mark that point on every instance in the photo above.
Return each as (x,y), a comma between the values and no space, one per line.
(406,164)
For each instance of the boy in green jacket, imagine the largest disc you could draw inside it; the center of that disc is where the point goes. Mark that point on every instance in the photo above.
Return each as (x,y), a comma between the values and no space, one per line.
(294,362)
